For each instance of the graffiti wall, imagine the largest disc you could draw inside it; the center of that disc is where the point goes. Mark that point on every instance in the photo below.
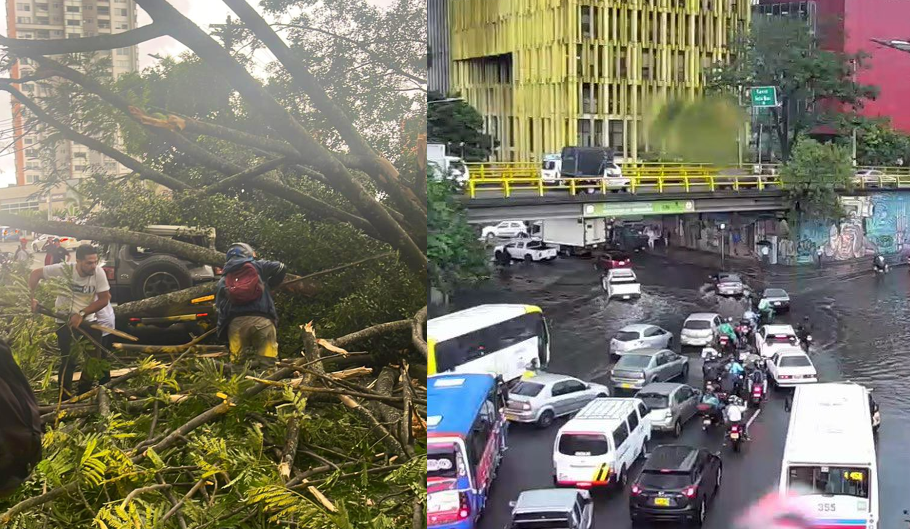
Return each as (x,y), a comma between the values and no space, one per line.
(876,223)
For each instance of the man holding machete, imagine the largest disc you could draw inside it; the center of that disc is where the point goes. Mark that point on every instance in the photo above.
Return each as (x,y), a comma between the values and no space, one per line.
(89,292)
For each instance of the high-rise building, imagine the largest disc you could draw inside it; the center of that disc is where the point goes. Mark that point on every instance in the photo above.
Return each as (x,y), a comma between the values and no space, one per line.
(850,26)
(550,73)
(58,19)
(438,46)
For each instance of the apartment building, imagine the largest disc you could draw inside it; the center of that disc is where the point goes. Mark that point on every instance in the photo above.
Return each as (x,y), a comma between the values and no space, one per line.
(550,73)
(58,19)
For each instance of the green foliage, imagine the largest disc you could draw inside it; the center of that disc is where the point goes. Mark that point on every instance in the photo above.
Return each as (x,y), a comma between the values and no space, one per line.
(454,123)
(878,143)
(453,250)
(782,52)
(813,177)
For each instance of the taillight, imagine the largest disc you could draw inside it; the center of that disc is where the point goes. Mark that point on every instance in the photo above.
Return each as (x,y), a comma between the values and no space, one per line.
(784,377)
(689,492)
(217,270)
(108,272)
(635,491)
(135,320)
(464,506)
(202,315)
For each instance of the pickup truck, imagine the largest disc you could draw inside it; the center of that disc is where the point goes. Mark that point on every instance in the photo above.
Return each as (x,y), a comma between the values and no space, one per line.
(528,250)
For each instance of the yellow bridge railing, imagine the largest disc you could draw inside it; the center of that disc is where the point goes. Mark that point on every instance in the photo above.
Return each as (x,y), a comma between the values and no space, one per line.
(509,178)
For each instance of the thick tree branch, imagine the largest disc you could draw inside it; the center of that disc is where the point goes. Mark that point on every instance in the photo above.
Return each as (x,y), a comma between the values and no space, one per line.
(84,44)
(143,171)
(387,176)
(245,176)
(281,121)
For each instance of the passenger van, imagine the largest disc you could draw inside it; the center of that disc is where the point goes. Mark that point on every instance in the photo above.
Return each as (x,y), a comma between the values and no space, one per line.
(599,445)
(829,457)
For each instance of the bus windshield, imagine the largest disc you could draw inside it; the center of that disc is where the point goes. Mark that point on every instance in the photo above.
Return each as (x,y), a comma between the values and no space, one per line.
(841,481)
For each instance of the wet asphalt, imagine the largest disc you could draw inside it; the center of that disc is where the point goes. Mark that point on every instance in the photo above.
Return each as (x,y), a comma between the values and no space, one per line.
(861,333)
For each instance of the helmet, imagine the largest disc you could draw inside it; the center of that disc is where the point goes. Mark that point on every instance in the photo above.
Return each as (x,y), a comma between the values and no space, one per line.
(240,249)
(806,318)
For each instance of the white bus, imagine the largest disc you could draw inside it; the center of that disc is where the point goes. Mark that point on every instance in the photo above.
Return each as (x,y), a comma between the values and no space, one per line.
(502,340)
(829,456)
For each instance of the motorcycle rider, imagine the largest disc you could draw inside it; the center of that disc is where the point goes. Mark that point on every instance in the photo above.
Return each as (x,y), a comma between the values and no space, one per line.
(879,263)
(717,409)
(734,415)
(766,310)
(735,373)
(804,329)
(757,376)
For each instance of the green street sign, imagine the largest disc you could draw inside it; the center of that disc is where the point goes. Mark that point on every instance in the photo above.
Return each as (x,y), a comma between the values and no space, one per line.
(622,209)
(763,96)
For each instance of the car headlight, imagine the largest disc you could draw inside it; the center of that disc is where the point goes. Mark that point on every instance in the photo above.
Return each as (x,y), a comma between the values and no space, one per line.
(668,414)
(526,406)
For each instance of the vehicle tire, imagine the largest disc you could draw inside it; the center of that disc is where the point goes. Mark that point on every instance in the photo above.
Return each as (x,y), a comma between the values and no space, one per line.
(717,481)
(490,237)
(700,514)
(528,258)
(685,373)
(678,429)
(622,479)
(523,235)
(545,420)
(498,256)
(736,447)
(601,396)
(160,274)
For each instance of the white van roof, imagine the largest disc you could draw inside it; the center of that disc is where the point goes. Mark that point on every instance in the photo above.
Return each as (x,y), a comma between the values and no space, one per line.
(602,414)
(830,424)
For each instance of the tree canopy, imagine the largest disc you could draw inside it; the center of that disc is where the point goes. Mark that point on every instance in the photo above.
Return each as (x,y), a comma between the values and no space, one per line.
(815,86)
(878,143)
(314,162)
(459,126)
(813,178)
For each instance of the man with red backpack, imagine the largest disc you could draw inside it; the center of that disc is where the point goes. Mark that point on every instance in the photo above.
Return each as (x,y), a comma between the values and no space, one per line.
(246,312)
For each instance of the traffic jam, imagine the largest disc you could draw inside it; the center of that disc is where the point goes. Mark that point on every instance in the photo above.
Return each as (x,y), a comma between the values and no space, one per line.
(489,373)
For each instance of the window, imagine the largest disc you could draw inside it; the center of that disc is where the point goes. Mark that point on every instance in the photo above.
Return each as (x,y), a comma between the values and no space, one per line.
(72,9)
(104,10)
(24,7)
(573,386)
(29,141)
(848,481)
(643,411)
(24,20)
(72,22)
(88,21)
(632,420)
(123,64)
(89,8)
(795,361)
(123,26)
(123,51)
(474,345)
(40,7)
(581,444)
(585,132)
(620,435)
(80,168)
(42,34)
(615,129)
(123,12)
(80,155)
(104,24)
(586,22)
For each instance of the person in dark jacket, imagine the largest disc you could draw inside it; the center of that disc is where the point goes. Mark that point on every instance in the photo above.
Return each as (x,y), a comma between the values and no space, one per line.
(249,327)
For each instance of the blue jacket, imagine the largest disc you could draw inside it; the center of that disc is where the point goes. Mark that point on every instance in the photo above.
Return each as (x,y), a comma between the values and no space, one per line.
(271,272)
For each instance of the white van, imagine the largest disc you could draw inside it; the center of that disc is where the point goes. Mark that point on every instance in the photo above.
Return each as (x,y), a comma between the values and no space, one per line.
(599,445)
(829,457)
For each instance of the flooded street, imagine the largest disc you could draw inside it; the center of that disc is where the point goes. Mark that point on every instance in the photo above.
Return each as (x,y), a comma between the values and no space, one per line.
(861,332)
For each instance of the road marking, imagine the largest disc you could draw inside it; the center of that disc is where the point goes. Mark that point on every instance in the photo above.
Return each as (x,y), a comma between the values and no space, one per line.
(753,418)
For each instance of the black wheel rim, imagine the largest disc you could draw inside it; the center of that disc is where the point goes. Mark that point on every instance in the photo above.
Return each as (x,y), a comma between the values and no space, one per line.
(159,283)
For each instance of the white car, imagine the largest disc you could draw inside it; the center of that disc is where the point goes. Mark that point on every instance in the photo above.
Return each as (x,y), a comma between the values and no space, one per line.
(700,329)
(773,338)
(791,366)
(528,251)
(621,283)
(640,336)
(873,178)
(508,229)
(614,176)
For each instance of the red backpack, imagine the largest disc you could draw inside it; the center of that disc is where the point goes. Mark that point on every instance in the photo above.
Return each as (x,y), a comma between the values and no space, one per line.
(244,285)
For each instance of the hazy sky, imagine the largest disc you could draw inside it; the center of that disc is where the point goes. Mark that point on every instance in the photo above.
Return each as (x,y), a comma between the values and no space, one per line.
(203,12)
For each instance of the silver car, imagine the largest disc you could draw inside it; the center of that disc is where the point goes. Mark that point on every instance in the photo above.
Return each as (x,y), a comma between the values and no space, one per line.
(637,368)
(728,284)
(545,396)
(670,405)
(553,508)
(777,298)
(640,336)
(700,329)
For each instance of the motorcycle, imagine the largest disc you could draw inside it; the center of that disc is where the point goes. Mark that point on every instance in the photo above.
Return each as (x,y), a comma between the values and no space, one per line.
(756,394)
(735,433)
(709,416)
(881,269)
(807,341)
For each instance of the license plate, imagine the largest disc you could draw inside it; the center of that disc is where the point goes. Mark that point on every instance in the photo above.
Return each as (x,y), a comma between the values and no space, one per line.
(706,421)
(626,386)
(735,436)
(511,416)
(665,502)
(626,296)
(777,303)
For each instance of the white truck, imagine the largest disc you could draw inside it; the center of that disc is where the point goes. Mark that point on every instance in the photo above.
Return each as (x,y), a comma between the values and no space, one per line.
(443,166)
(574,235)
(525,250)
(550,168)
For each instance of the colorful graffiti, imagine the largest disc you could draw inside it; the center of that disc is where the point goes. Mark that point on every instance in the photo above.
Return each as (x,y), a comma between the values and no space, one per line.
(876,223)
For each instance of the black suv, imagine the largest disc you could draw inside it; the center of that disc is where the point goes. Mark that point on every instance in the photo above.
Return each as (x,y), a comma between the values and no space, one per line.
(137,273)
(676,484)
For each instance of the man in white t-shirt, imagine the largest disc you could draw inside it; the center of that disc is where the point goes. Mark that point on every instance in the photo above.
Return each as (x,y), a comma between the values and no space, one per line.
(106,318)
(89,292)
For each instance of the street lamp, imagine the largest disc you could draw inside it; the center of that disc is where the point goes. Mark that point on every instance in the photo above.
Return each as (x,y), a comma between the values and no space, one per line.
(722,226)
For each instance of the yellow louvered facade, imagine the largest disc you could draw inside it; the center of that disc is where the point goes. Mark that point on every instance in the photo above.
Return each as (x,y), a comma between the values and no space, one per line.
(550,73)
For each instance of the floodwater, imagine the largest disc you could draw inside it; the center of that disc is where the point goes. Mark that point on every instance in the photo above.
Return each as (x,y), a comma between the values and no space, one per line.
(860,330)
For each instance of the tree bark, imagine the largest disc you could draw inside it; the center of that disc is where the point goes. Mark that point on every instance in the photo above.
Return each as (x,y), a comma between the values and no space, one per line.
(386,175)
(84,44)
(282,122)
(143,171)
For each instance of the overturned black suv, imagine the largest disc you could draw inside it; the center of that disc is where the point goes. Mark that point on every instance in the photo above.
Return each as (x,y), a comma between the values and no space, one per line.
(137,273)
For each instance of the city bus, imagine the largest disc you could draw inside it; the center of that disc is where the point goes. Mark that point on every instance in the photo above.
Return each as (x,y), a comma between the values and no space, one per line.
(829,456)
(504,340)
(466,437)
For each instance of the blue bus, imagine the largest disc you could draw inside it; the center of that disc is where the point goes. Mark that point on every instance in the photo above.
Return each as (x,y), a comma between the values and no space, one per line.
(466,436)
